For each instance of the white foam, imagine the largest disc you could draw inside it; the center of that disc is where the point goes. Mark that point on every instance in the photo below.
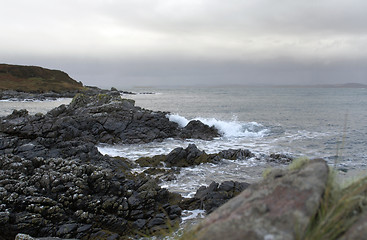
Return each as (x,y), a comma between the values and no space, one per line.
(228,129)
(193,214)
(181,121)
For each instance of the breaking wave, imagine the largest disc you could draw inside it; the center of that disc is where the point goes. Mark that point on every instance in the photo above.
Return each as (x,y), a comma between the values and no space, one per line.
(228,129)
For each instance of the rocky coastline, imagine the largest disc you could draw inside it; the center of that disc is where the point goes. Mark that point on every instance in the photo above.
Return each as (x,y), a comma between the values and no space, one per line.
(55,183)
(13,95)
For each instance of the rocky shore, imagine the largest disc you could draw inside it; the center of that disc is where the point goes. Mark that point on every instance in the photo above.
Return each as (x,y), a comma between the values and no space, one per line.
(13,95)
(55,183)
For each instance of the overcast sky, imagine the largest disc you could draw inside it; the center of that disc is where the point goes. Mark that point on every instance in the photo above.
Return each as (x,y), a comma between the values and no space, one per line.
(127,43)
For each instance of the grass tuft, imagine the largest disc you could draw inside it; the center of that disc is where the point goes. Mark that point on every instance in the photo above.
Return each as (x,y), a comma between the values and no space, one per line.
(266,173)
(298,163)
(339,209)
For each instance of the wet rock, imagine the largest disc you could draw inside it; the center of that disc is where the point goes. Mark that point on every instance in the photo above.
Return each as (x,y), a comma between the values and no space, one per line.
(155,161)
(69,198)
(66,229)
(191,156)
(21,236)
(4,217)
(211,197)
(279,158)
(140,224)
(270,209)
(88,120)
(199,130)
(234,154)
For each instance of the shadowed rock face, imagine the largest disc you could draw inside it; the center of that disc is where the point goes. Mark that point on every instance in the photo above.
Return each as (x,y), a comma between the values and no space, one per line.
(276,208)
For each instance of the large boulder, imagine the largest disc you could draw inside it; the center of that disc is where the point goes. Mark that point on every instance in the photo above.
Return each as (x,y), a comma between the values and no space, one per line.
(278,208)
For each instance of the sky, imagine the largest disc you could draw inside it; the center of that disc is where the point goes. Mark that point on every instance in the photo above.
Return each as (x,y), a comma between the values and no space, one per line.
(128,43)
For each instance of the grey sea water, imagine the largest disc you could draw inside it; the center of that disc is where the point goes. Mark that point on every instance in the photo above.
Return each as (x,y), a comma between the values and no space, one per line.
(329,123)
(315,122)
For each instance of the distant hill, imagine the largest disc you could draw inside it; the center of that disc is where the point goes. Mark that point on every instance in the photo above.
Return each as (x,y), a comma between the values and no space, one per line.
(35,79)
(353,85)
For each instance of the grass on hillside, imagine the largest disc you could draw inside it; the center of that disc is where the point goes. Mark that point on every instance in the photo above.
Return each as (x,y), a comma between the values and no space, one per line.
(37,85)
(35,79)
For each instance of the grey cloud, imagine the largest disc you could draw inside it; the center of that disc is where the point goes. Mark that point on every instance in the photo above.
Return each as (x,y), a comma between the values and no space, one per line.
(189,41)
(284,16)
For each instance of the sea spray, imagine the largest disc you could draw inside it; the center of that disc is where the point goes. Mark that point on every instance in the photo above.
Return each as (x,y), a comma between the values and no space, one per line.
(228,129)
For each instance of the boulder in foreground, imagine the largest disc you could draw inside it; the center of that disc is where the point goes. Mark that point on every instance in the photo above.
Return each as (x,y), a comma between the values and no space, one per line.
(279,208)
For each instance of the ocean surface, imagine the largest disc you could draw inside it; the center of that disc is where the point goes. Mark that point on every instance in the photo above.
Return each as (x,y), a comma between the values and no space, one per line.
(329,123)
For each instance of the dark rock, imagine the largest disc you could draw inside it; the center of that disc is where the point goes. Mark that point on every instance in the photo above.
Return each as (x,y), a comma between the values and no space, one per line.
(140,224)
(270,209)
(74,130)
(197,129)
(211,197)
(69,198)
(84,228)
(155,161)
(66,229)
(156,222)
(279,158)
(4,217)
(54,181)
(191,156)
(235,154)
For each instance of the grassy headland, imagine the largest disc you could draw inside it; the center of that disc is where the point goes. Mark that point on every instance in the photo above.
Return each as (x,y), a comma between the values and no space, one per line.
(35,79)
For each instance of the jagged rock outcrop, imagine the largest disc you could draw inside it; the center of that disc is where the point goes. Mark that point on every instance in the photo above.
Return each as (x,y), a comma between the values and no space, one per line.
(75,129)
(278,208)
(198,130)
(191,156)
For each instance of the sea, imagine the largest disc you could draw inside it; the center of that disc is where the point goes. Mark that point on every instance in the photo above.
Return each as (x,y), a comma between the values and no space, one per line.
(328,123)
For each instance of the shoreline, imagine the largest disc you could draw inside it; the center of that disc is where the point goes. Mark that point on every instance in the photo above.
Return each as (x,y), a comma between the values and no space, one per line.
(66,137)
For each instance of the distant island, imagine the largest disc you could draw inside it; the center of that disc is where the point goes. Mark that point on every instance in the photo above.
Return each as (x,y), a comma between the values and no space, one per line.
(345,85)
(340,85)
(34,79)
